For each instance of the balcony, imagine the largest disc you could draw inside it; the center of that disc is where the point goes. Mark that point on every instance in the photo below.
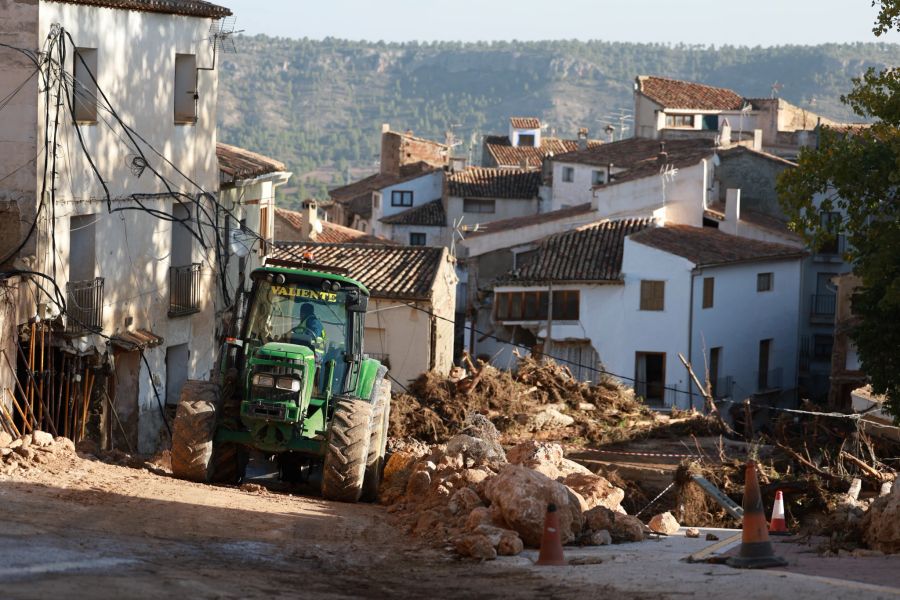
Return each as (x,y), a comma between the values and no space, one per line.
(767,381)
(84,306)
(821,308)
(184,290)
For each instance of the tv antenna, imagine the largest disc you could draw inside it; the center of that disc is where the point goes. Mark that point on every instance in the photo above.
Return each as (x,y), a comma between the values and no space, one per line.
(221,35)
(776,87)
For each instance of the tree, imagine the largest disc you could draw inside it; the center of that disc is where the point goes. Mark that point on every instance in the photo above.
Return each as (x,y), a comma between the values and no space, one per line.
(857,172)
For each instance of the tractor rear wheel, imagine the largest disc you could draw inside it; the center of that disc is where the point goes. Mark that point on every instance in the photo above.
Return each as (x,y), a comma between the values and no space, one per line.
(192,435)
(377,444)
(347,447)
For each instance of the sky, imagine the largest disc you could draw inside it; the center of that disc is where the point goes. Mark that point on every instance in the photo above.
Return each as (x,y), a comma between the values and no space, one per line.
(718,22)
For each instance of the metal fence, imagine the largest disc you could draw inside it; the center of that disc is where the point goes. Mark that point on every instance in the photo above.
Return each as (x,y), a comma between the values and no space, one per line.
(184,290)
(84,306)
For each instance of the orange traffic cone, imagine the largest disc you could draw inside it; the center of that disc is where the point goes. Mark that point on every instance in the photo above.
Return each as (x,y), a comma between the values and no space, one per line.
(551,553)
(778,526)
(756,549)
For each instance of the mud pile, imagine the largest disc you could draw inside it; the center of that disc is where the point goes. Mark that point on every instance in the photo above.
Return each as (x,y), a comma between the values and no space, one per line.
(32,450)
(472,496)
(538,400)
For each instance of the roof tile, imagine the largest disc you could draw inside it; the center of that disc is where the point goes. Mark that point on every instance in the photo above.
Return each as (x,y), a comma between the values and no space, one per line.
(525,122)
(707,246)
(480,182)
(239,163)
(590,253)
(331,232)
(430,214)
(674,93)
(395,272)
(191,8)
(507,155)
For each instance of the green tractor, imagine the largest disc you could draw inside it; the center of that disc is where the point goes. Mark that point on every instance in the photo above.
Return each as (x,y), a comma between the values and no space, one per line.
(295,386)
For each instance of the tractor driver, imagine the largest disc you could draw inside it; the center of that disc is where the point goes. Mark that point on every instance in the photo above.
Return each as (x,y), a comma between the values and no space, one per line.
(311,326)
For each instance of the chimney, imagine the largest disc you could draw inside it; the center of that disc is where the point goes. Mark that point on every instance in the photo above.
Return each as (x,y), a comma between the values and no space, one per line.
(385,127)
(523,164)
(311,224)
(725,135)
(582,138)
(662,159)
(732,211)
(610,132)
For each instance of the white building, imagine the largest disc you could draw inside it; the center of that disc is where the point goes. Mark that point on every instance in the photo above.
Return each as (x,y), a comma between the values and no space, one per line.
(124,212)
(526,146)
(626,297)
(478,196)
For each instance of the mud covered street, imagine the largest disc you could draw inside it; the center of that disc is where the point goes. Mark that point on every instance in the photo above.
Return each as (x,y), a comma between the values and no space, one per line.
(74,527)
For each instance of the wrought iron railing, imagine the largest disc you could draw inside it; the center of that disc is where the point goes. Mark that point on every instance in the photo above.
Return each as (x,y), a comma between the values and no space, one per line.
(84,306)
(184,290)
(822,305)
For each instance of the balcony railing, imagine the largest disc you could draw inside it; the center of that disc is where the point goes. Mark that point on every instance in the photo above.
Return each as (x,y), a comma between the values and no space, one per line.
(84,306)
(184,290)
(768,380)
(822,306)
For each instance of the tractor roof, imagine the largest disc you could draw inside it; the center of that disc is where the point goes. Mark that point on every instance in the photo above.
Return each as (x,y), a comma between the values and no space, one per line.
(312,270)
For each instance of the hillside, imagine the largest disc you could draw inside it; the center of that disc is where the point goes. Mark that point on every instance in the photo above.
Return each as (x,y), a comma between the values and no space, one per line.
(319,105)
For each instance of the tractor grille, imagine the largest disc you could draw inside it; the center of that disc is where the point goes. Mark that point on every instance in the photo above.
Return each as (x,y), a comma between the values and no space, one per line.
(266,411)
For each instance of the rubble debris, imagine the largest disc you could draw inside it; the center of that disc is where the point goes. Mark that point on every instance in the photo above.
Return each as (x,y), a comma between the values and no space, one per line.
(621,527)
(881,523)
(692,532)
(664,523)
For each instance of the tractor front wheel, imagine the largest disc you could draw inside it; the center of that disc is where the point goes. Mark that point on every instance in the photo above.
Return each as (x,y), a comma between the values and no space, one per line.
(377,443)
(347,447)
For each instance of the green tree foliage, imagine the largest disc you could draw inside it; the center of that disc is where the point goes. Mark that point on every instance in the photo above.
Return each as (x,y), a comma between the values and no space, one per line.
(858,173)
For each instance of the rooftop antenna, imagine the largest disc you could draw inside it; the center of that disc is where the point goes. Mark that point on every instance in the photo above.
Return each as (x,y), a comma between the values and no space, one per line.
(776,87)
(220,37)
(459,229)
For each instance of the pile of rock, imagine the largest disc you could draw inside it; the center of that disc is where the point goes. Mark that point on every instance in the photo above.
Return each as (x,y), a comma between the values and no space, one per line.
(485,502)
(30,449)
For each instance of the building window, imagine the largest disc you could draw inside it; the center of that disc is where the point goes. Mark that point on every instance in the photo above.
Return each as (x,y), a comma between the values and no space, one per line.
(401,198)
(84,89)
(764,282)
(598,177)
(709,290)
(822,345)
(568,174)
(653,295)
(526,139)
(715,363)
(830,223)
(686,121)
(376,200)
(185,88)
(762,376)
(479,206)
(565,305)
(417,239)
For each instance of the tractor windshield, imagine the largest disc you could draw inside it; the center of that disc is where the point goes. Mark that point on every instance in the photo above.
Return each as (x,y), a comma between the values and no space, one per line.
(298,314)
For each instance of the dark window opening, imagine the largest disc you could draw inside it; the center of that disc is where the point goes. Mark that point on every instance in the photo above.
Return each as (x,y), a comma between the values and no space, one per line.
(401,198)
(526,139)
(650,376)
(479,206)
(417,239)
(764,282)
(709,288)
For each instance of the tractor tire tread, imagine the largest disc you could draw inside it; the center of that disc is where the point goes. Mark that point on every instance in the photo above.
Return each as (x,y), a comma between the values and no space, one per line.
(194,427)
(346,451)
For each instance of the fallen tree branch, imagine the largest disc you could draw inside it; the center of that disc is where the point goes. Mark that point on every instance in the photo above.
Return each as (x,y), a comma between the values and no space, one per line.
(863,466)
(710,401)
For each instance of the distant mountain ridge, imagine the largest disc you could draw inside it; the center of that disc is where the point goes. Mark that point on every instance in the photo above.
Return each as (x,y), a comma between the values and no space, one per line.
(318,105)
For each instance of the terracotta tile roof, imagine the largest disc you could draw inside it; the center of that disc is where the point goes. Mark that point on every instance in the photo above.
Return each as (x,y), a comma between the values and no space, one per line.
(137,339)
(430,214)
(191,8)
(706,246)
(525,122)
(674,93)
(590,253)
(331,232)
(632,152)
(378,181)
(480,182)
(530,220)
(716,212)
(505,154)
(395,272)
(239,163)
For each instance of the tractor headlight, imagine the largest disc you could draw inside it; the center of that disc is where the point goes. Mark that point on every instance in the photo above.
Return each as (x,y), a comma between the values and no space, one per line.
(288,383)
(263,380)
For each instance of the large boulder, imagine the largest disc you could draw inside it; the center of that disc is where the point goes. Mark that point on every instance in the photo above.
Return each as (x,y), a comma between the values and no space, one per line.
(596,490)
(519,498)
(621,528)
(881,523)
(545,457)
(549,418)
(396,476)
(664,523)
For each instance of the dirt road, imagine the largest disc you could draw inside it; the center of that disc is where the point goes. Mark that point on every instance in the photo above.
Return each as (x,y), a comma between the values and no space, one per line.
(74,527)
